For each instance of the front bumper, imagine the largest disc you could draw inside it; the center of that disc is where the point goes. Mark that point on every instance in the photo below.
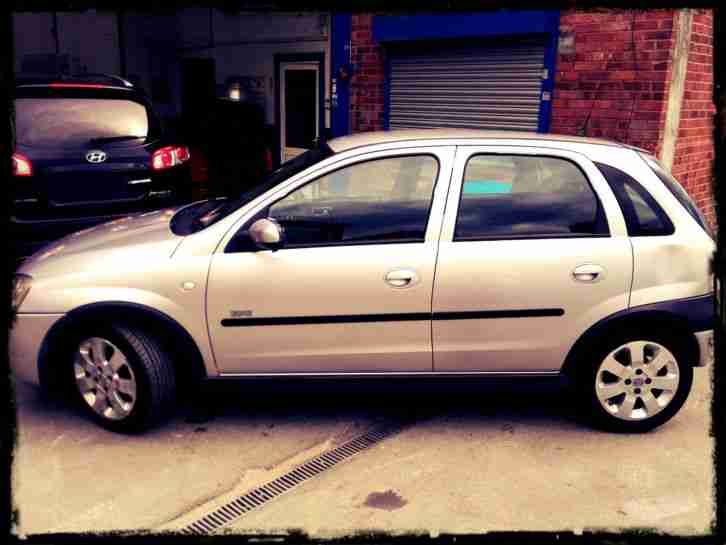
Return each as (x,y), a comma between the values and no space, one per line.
(27,333)
(705,348)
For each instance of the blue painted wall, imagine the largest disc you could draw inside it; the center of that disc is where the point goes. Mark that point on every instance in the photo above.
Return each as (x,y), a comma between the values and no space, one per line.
(393,28)
(340,56)
(548,84)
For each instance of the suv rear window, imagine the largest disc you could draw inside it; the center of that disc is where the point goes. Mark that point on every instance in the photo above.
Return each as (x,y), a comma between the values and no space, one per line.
(76,122)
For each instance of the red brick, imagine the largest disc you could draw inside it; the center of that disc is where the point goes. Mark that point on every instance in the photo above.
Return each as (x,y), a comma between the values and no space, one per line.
(625,89)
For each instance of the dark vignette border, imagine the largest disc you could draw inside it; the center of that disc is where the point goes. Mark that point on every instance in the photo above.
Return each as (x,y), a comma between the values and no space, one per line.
(718,428)
(644,536)
(7,432)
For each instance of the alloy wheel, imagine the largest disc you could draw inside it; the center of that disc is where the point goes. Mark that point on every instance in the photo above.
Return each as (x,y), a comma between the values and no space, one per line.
(105,378)
(637,380)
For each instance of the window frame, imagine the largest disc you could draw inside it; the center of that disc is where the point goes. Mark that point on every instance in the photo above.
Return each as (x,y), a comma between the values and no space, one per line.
(443,154)
(539,154)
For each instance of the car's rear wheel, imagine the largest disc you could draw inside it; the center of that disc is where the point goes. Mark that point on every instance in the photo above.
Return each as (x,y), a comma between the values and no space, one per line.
(123,377)
(635,383)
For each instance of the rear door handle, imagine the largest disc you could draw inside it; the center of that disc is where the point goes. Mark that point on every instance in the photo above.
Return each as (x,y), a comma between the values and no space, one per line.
(589,273)
(402,278)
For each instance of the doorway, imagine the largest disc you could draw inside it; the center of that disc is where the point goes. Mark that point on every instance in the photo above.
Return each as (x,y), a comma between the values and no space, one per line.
(300,103)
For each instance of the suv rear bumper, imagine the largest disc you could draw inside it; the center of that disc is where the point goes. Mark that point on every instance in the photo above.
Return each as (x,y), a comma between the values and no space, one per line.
(29,236)
(37,224)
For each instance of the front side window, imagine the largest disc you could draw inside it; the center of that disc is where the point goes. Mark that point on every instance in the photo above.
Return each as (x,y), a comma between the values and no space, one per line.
(507,196)
(196,217)
(381,200)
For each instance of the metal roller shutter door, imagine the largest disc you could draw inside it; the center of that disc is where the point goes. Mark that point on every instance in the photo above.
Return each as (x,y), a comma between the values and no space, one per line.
(493,87)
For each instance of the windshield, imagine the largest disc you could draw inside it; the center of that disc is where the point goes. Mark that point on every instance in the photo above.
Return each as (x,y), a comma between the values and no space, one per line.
(78,122)
(203,214)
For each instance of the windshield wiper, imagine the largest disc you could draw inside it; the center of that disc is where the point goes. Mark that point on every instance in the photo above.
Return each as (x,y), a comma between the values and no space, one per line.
(105,140)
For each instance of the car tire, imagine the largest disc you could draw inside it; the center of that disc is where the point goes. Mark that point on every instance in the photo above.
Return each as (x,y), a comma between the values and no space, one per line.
(123,378)
(633,382)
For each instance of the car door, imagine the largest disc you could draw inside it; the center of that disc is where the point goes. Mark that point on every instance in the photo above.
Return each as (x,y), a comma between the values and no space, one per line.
(350,292)
(533,251)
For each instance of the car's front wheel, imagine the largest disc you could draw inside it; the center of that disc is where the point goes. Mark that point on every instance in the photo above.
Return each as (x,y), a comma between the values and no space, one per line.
(123,377)
(635,383)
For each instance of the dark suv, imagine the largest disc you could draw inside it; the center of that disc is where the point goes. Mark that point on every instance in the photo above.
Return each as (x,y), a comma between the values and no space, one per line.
(87,150)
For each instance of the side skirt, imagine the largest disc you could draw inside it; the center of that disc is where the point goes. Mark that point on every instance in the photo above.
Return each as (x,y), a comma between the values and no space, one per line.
(385,374)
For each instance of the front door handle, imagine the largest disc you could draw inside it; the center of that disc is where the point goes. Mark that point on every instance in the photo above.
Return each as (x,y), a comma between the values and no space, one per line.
(589,273)
(401,278)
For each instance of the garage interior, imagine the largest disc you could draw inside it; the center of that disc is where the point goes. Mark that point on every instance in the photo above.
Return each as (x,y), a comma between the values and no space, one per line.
(186,59)
(296,69)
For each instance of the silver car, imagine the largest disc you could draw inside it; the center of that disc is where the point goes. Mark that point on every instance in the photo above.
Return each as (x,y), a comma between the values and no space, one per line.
(431,253)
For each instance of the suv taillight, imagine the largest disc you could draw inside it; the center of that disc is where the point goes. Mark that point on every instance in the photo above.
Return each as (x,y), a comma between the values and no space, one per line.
(21,165)
(169,156)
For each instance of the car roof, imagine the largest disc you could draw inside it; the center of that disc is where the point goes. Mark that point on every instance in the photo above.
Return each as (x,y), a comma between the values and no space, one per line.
(345,143)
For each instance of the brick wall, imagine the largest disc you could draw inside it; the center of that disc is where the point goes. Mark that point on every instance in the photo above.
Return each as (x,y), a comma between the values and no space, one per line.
(694,153)
(613,64)
(617,66)
(366,85)
(628,94)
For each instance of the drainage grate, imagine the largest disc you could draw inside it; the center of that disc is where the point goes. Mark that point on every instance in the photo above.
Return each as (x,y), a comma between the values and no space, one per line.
(259,496)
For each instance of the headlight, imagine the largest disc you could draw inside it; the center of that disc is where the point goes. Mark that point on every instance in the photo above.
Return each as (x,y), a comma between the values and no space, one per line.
(21,287)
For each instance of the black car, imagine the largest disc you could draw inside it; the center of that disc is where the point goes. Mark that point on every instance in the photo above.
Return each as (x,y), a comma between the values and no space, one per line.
(88,150)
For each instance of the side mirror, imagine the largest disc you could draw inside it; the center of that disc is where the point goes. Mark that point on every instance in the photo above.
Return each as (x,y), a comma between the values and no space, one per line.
(267,234)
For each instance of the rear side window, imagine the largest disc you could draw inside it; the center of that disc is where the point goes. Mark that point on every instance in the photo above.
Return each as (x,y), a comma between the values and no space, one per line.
(77,122)
(678,192)
(643,215)
(526,196)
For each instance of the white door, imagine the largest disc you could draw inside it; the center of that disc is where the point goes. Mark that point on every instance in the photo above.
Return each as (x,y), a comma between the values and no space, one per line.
(350,292)
(527,260)
(299,108)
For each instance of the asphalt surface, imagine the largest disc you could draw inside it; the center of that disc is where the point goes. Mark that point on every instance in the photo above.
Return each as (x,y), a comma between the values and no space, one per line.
(472,459)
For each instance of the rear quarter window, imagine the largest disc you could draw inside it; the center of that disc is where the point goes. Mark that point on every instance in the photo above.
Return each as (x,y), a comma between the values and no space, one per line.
(678,192)
(643,215)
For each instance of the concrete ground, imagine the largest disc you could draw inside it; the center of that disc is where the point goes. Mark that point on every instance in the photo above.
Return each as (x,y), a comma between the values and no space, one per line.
(472,460)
